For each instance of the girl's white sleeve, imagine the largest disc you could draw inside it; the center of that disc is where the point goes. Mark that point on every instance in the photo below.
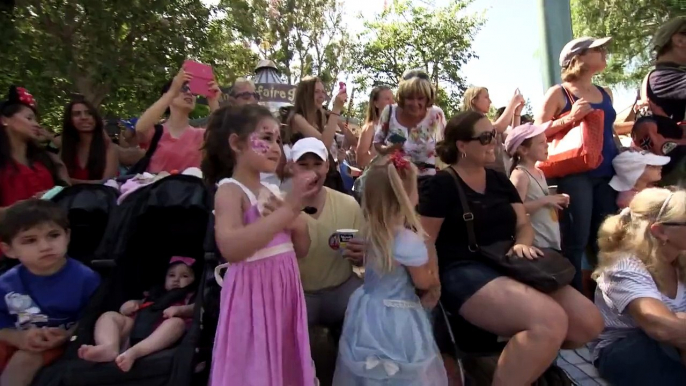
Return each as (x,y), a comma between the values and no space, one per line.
(409,249)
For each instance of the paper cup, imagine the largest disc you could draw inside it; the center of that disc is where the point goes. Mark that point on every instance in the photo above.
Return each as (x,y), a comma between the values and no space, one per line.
(344,236)
(552,190)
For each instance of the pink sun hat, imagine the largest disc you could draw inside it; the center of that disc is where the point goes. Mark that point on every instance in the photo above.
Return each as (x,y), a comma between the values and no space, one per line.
(519,134)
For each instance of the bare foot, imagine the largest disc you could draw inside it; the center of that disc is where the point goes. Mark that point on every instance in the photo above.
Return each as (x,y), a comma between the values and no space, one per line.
(125,360)
(100,353)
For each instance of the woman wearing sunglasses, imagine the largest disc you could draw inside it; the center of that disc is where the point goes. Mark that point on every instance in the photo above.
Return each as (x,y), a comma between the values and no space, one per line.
(413,125)
(537,324)
(179,146)
(641,291)
(243,92)
(591,197)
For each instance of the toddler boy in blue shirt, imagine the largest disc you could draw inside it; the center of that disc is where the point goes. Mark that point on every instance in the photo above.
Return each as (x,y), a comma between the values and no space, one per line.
(42,298)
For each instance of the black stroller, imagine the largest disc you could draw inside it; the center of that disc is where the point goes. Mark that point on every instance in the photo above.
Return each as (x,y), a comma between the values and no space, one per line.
(210,311)
(164,219)
(89,208)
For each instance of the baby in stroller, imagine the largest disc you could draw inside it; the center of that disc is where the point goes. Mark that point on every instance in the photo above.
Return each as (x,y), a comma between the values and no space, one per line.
(143,327)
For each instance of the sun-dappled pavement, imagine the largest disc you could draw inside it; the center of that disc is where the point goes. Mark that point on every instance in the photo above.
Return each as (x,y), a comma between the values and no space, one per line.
(577,364)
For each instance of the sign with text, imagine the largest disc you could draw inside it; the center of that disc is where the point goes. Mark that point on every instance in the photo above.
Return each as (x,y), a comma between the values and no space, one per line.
(274,92)
(269,92)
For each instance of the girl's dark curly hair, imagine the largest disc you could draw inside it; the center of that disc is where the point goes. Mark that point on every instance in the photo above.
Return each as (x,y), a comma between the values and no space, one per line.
(218,157)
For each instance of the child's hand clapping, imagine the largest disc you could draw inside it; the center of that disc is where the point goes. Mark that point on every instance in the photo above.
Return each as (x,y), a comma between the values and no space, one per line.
(304,186)
(272,205)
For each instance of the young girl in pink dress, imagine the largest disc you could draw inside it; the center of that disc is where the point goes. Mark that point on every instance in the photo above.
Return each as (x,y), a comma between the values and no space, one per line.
(262,336)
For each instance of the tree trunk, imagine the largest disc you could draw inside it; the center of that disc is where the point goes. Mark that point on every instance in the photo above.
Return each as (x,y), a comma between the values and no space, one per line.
(93,93)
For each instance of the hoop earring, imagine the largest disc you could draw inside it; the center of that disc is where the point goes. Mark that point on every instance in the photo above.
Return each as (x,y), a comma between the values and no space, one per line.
(463,155)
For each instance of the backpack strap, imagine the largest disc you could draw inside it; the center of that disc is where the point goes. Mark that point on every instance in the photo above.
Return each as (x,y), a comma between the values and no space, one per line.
(568,96)
(159,130)
(142,165)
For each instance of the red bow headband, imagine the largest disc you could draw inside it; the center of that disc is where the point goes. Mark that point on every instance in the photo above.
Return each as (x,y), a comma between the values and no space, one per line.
(189,261)
(25,97)
(19,95)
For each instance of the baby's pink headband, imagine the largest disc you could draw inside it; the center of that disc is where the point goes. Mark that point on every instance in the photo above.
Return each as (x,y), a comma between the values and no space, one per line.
(184,260)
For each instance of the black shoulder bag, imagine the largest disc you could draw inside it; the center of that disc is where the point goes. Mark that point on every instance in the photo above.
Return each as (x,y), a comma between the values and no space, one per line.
(548,273)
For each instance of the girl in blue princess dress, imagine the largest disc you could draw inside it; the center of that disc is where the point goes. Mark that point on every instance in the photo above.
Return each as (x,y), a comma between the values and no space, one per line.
(387,336)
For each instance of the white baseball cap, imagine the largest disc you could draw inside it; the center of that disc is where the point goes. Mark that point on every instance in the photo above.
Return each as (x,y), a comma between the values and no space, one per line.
(629,167)
(309,145)
(575,47)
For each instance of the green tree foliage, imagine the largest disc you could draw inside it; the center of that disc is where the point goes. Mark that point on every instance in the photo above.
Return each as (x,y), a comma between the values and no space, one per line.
(359,110)
(227,52)
(449,102)
(631,24)
(117,54)
(200,111)
(406,36)
(303,37)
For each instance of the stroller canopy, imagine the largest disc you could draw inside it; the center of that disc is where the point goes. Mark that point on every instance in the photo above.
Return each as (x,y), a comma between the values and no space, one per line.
(164,219)
(89,208)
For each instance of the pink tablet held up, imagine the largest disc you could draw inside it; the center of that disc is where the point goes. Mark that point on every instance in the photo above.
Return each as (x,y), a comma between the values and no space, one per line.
(202,75)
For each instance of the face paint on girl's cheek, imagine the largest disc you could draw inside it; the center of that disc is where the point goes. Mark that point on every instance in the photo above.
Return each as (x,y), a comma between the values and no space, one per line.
(258,145)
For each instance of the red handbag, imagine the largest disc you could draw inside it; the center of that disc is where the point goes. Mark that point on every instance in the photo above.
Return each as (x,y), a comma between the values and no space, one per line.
(577,150)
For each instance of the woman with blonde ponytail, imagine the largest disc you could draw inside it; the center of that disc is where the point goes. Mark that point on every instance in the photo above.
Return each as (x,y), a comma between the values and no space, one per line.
(641,291)
(387,336)
(380,97)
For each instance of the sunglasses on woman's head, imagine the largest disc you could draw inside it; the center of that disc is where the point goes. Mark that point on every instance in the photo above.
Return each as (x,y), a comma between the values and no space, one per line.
(484,138)
(600,49)
(416,74)
(381,84)
(247,95)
